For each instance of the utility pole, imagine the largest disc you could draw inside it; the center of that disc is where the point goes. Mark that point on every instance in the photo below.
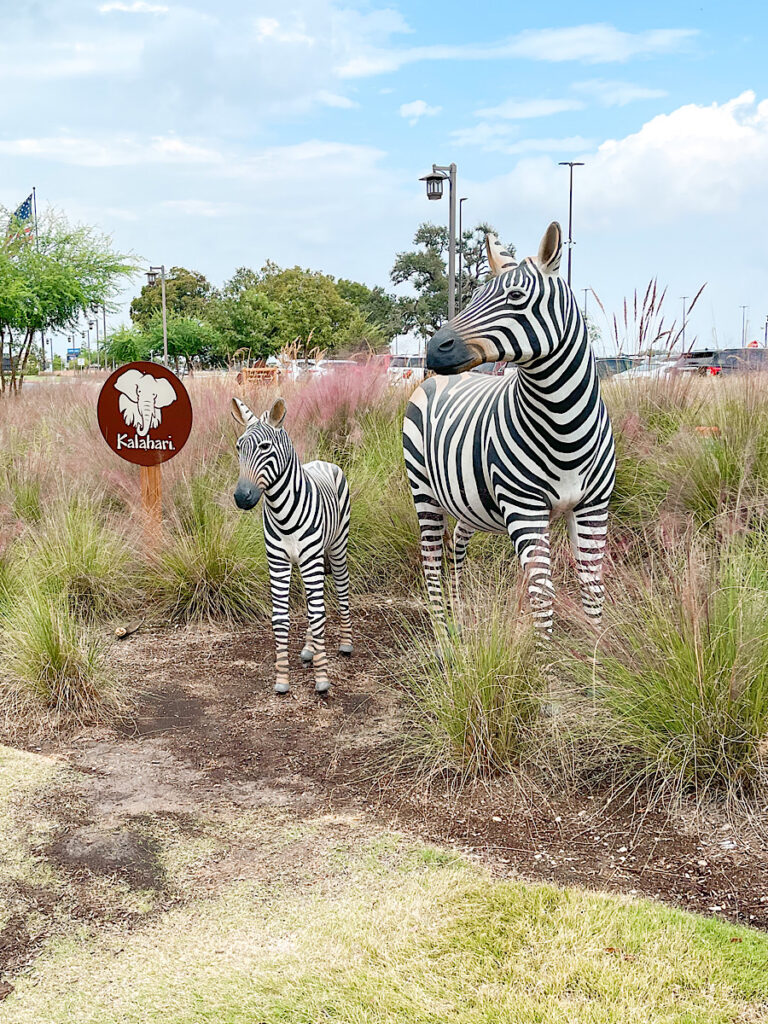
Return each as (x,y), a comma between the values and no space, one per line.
(570,164)
(684,299)
(743,325)
(434,182)
(461,249)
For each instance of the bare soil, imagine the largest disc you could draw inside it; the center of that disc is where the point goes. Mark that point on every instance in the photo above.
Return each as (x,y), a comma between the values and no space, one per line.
(210,738)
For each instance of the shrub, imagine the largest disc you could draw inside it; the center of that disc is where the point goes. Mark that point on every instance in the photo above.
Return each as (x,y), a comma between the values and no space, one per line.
(680,676)
(53,664)
(211,564)
(475,694)
(86,558)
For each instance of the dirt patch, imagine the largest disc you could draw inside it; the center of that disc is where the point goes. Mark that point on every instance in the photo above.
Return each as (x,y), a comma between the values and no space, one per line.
(210,741)
(123,854)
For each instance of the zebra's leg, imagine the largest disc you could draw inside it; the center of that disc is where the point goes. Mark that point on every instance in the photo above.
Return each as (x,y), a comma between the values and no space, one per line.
(432,527)
(280,582)
(308,650)
(313,574)
(530,536)
(457,552)
(587,530)
(337,558)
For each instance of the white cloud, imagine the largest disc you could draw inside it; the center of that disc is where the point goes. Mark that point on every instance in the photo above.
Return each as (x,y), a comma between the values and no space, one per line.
(137,7)
(332,99)
(616,94)
(417,109)
(515,110)
(273,30)
(110,151)
(589,44)
(199,208)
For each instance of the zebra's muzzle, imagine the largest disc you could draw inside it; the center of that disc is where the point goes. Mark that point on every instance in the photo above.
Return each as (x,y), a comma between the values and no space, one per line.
(448,353)
(247,494)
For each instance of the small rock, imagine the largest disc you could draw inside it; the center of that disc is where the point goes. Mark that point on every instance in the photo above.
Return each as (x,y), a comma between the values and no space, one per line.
(496,818)
(5,990)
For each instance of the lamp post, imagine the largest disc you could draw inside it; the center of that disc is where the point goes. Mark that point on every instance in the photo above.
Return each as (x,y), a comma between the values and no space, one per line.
(570,164)
(585,290)
(152,274)
(743,325)
(434,182)
(765,339)
(461,251)
(684,299)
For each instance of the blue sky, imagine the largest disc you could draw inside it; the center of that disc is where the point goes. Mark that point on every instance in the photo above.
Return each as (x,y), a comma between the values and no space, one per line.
(219,135)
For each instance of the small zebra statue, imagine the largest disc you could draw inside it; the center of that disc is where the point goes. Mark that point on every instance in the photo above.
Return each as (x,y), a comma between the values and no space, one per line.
(306,520)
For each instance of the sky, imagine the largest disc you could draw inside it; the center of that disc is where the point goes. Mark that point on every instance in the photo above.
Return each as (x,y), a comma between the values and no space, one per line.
(218,135)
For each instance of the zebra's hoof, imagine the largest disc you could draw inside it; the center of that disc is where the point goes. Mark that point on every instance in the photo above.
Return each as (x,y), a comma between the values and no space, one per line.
(345,648)
(307,655)
(282,687)
(323,687)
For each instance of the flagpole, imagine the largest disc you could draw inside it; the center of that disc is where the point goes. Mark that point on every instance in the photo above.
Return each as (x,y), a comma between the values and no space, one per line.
(34,207)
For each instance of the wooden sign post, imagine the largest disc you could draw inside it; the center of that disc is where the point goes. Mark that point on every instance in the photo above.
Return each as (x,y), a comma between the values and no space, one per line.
(145,417)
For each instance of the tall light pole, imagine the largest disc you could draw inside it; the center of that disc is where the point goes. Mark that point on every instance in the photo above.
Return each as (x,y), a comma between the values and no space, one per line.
(684,299)
(152,279)
(435,191)
(461,249)
(765,340)
(743,325)
(585,290)
(570,164)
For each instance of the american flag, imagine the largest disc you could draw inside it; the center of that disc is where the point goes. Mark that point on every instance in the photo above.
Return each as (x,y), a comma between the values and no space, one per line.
(24,218)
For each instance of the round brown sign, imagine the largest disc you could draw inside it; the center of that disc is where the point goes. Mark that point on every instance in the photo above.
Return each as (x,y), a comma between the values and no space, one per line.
(144,413)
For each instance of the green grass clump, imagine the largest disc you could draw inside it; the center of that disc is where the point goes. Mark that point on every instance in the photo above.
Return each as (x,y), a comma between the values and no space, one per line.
(211,564)
(83,556)
(53,665)
(384,535)
(681,671)
(476,691)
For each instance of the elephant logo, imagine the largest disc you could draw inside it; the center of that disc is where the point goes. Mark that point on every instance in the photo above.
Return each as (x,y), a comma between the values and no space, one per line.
(142,398)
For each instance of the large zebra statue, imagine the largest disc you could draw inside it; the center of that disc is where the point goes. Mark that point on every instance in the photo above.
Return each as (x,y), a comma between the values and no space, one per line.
(505,454)
(306,520)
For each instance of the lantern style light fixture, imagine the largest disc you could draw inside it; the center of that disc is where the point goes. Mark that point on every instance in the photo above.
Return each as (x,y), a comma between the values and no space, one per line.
(152,275)
(434,184)
(434,181)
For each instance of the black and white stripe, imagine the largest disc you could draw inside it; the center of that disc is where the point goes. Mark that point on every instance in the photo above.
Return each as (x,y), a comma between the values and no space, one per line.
(306,521)
(502,454)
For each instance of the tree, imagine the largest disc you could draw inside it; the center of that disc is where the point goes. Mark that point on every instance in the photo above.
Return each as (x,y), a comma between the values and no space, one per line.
(310,305)
(188,338)
(426,270)
(187,293)
(46,284)
(126,345)
(246,318)
(380,309)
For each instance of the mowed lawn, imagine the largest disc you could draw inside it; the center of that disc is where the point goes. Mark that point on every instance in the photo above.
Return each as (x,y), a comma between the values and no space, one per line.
(389,930)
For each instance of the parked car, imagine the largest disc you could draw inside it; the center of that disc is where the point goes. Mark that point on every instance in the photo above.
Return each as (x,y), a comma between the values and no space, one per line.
(406,369)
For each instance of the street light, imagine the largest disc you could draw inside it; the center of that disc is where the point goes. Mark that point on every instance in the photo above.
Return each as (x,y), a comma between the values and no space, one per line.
(743,325)
(570,164)
(152,275)
(461,249)
(434,182)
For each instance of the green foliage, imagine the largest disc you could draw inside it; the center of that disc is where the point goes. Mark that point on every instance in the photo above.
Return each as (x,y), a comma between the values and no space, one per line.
(53,663)
(680,677)
(187,294)
(126,345)
(379,309)
(212,565)
(78,555)
(246,318)
(426,270)
(46,286)
(310,303)
(188,337)
(476,693)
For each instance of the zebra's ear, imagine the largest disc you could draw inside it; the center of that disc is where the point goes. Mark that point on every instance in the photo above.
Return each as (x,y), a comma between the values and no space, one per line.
(241,413)
(276,415)
(499,258)
(550,249)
